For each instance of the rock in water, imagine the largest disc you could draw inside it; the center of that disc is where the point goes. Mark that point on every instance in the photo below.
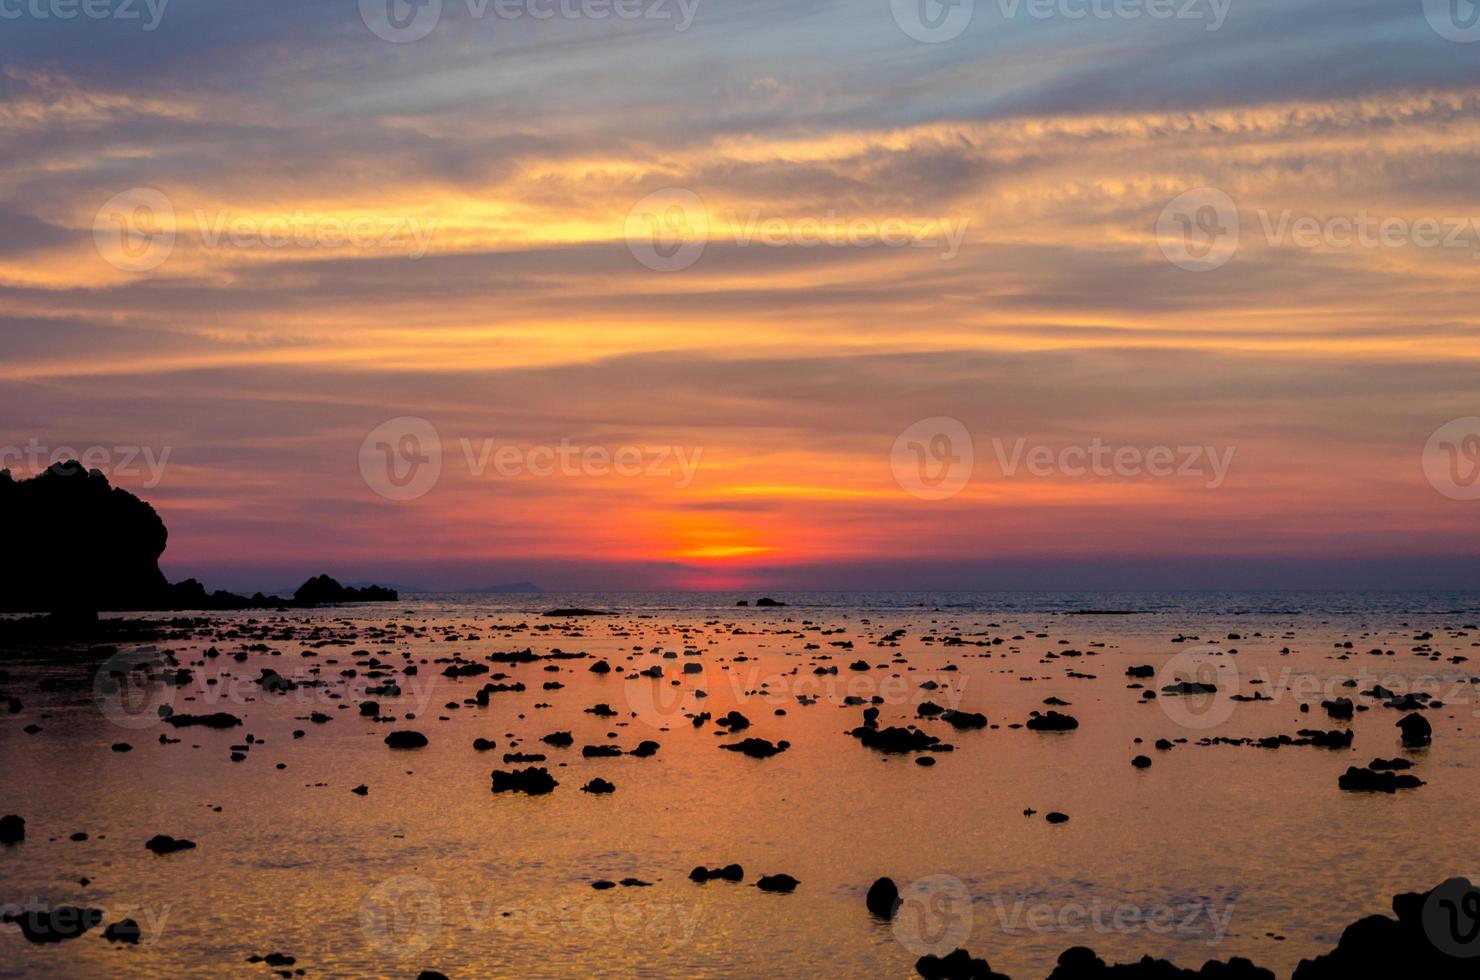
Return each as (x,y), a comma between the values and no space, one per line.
(1052,721)
(758,748)
(1081,963)
(532,781)
(958,965)
(1369,781)
(1417,731)
(55,925)
(165,844)
(964,720)
(324,590)
(598,785)
(1426,940)
(730,872)
(777,883)
(406,740)
(219,719)
(883,898)
(12,829)
(123,931)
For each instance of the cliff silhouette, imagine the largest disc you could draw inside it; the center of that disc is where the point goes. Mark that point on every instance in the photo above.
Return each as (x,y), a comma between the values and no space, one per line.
(81,545)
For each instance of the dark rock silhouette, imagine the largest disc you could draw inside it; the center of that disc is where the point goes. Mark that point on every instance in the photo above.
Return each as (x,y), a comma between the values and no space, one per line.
(532,781)
(123,931)
(598,785)
(81,544)
(896,740)
(1081,963)
(165,844)
(783,883)
(767,601)
(883,898)
(730,872)
(1429,927)
(958,965)
(12,829)
(1417,732)
(406,740)
(219,719)
(1368,781)
(758,748)
(55,925)
(1052,721)
(323,590)
(86,546)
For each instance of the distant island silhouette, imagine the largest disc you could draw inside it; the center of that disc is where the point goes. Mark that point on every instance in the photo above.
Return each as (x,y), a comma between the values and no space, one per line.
(85,546)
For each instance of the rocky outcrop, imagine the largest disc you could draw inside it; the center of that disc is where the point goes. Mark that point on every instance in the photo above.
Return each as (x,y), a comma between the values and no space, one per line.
(84,546)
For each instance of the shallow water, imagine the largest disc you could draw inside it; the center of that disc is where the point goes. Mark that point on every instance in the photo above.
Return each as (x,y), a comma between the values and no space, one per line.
(1203,855)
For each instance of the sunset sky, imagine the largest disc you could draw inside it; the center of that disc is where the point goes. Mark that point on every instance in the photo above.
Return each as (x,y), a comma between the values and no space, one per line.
(518,148)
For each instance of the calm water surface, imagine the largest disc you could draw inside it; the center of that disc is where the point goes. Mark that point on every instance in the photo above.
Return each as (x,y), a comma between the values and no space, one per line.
(1215,851)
